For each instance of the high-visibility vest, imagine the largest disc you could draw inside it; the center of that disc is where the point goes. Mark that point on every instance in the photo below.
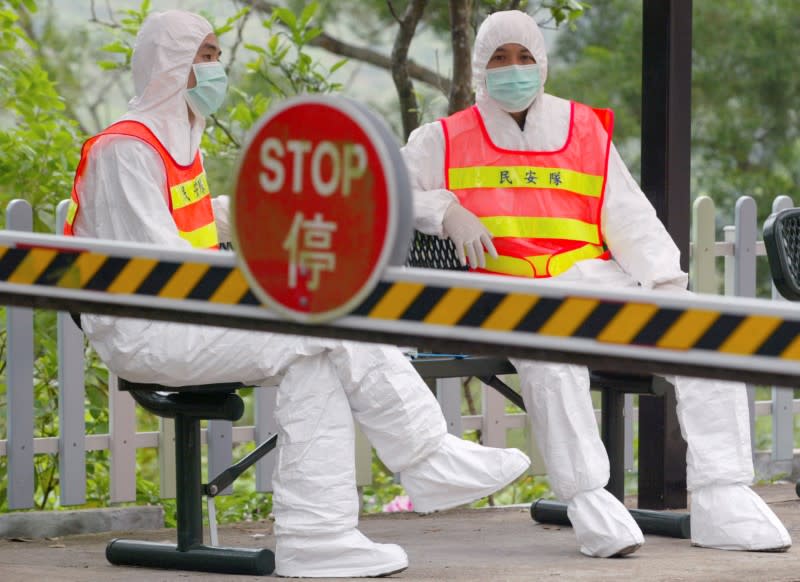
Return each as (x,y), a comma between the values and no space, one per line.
(542,208)
(187,188)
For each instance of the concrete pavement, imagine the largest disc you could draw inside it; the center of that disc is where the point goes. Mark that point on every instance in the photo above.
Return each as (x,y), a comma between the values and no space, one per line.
(462,544)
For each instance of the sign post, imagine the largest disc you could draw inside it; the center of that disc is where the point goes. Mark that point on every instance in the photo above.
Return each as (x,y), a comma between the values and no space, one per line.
(322,204)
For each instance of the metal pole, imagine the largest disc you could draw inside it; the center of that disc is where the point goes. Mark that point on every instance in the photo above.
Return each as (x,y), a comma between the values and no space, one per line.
(189,482)
(666,137)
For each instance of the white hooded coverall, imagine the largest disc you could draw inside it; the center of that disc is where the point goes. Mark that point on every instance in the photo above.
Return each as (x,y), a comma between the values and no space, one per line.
(325,383)
(123,197)
(713,414)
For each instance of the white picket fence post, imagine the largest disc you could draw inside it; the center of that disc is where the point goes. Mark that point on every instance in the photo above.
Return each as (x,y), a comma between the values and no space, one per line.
(19,383)
(72,391)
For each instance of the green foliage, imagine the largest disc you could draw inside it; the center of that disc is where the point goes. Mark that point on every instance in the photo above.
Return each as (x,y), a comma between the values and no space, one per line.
(129,25)
(745,136)
(40,144)
(282,66)
(284,62)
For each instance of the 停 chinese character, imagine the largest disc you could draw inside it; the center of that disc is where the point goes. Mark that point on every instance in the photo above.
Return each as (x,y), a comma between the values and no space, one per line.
(555,178)
(308,243)
(505,178)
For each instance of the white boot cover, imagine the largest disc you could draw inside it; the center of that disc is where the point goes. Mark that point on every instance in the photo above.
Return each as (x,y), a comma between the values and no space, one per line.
(562,419)
(315,501)
(461,472)
(604,528)
(314,481)
(715,421)
(347,554)
(734,517)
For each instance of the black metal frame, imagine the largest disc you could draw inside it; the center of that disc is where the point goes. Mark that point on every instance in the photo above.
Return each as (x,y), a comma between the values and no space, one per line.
(188,405)
(782,243)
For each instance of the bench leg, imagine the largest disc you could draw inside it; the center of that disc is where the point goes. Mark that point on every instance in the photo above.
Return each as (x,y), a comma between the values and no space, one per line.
(612,423)
(660,523)
(662,453)
(190,553)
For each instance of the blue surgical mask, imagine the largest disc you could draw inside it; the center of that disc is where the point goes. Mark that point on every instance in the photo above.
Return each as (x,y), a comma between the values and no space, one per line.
(207,95)
(514,87)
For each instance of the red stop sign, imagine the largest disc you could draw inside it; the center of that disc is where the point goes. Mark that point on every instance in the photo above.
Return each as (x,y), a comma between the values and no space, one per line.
(314,212)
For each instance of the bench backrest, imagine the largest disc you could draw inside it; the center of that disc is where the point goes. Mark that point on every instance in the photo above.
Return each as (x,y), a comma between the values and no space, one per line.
(431,252)
(782,243)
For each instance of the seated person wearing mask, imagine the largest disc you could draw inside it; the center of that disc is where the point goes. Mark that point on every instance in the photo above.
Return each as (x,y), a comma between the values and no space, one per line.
(142,179)
(499,180)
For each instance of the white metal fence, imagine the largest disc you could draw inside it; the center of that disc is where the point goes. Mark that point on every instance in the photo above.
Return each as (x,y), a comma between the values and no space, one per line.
(740,250)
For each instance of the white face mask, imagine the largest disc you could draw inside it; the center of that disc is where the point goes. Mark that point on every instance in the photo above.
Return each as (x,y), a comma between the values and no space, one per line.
(514,87)
(207,95)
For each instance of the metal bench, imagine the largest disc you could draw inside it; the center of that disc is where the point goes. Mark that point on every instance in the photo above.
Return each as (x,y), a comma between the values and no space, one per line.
(432,252)
(188,405)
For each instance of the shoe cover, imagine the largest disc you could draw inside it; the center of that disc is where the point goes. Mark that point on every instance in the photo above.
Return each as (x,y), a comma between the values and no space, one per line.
(347,554)
(461,472)
(734,517)
(604,528)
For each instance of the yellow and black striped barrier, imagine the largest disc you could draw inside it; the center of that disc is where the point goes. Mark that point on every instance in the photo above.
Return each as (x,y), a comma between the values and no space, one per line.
(606,321)
(746,339)
(91,270)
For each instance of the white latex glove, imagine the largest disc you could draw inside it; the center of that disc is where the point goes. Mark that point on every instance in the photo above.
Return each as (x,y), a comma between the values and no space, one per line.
(467,232)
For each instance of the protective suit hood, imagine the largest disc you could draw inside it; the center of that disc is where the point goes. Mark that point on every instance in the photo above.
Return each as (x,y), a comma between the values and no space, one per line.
(510,26)
(162,61)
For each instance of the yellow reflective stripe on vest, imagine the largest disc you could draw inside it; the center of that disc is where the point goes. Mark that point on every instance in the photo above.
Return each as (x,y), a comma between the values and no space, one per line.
(510,266)
(203,237)
(72,209)
(542,227)
(537,265)
(189,192)
(525,177)
(563,261)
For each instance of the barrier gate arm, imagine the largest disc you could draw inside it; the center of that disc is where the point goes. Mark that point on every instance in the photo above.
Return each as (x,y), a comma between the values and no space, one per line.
(750,340)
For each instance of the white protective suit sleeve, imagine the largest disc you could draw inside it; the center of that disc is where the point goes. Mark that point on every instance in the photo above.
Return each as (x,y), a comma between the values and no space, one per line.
(221,205)
(431,199)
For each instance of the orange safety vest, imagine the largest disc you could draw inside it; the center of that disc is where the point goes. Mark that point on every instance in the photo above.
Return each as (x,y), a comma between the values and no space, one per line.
(543,208)
(187,188)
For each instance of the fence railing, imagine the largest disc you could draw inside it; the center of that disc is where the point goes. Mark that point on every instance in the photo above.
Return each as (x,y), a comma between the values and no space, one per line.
(740,249)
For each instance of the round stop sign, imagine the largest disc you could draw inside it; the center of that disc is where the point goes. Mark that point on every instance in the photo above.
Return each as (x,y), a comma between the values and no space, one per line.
(319,196)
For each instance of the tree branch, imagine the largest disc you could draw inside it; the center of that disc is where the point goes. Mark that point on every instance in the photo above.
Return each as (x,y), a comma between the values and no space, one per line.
(409,109)
(238,42)
(461,90)
(363,54)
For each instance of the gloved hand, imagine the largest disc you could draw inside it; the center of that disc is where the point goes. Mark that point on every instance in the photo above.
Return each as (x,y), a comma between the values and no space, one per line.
(467,232)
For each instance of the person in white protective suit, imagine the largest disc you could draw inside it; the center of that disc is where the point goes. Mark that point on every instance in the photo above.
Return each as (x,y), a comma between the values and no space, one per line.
(494,180)
(135,183)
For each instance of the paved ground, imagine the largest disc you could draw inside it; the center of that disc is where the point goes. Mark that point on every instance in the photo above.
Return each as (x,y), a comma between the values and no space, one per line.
(480,545)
